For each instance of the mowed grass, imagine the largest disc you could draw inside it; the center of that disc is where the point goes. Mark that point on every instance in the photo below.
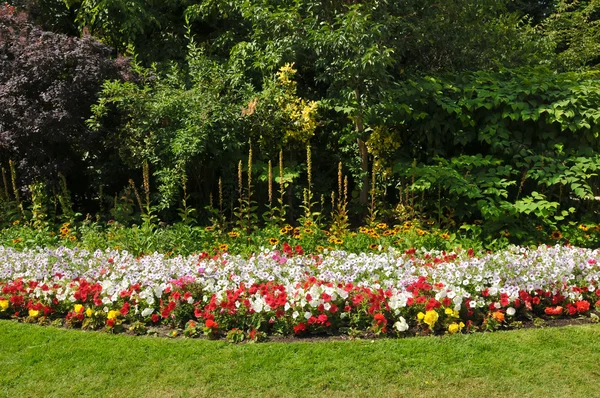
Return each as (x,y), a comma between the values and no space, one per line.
(45,362)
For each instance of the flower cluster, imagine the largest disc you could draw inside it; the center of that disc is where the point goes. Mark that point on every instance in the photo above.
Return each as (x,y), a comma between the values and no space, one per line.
(288,292)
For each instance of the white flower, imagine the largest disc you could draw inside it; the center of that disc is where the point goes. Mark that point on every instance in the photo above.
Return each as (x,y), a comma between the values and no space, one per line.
(510,311)
(147,311)
(401,325)
(307,314)
(295,314)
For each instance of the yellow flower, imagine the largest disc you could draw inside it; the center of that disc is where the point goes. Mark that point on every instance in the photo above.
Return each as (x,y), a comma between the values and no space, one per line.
(3,304)
(273,241)
(223,247)
(455,327)
(112,314)
(209,228)
(431,318)
(448,311)
(556,235)
(18,240)
(34,313)
(420,316)
(308,231)
(582,227)
(420,232)
(363,230)
(338,241)
(233,234)
(381,225)
(445,236)
(16,222)
(89,312)
(319,248)
(78,308)
(389,232)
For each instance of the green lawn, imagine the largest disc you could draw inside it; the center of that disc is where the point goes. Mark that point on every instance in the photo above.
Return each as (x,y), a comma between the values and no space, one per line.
(42,361)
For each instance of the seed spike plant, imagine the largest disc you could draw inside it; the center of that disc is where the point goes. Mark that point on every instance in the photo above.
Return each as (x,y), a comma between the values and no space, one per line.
(340,222)
(137,195)
(307,197)
(282,208)
(186,212)
(269,215)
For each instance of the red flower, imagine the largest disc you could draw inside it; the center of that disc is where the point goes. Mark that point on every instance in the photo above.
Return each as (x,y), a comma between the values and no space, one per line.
(300,328)
(110,323)
(322,319)
(380,319)
(553,311)
(125,309)
(582,306)
(155,318)
(211,324)
(536,300)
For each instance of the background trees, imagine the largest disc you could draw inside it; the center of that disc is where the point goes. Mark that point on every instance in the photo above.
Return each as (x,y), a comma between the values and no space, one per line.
(463,103)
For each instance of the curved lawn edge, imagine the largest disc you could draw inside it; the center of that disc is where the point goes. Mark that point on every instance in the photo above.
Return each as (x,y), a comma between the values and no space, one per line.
(535,362)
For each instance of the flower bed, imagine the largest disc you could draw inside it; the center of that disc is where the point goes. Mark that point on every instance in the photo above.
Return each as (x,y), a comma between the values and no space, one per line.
(399,293)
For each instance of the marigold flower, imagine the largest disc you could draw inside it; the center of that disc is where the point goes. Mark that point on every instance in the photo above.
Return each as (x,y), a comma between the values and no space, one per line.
(499,316)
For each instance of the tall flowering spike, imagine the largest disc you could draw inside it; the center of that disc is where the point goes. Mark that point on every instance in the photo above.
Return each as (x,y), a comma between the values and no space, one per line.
(240,179)
(340,186)
(220,195)
(250,172)
(137,194)
(146,175)
(270,182)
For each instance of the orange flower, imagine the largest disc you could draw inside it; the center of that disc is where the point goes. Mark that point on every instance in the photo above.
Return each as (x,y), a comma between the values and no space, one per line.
(556,235)
(499,316)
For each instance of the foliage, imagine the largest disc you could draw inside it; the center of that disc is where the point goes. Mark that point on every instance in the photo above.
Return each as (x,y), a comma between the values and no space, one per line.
(48,83)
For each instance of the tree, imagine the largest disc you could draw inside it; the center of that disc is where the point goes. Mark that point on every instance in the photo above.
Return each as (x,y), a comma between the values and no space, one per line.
(48,83)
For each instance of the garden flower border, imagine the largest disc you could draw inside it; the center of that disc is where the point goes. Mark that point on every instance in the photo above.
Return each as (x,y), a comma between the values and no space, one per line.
(391,293)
